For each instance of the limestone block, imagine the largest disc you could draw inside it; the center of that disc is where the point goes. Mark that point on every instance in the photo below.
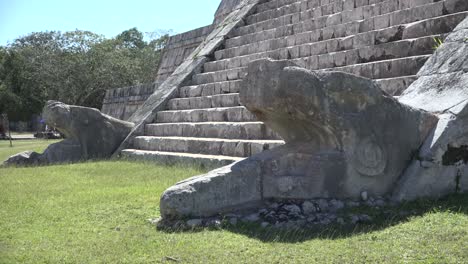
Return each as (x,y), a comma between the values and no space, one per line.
(388,7)
(395,86)
(328,33)
(327,9)
(313,63)
(325,61)
(422,93)
(441,165)
(347,43)
(320,22)
(301,38)
(340,30)
(235,186)
(382,21)
(304,50)
(331,149)
(268,109)
(348,5)
(441,162)
(338,6)
(333,45)
(359,3)
(352,57)
(363,40)
(339,59)
(316,12)
(353,28)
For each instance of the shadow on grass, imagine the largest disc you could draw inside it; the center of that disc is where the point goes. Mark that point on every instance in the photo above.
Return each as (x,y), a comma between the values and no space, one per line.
(382,218)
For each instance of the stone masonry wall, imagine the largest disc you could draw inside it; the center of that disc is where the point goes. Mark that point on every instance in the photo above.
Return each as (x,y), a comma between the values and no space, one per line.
(224,9)
(177,50)
(123,102)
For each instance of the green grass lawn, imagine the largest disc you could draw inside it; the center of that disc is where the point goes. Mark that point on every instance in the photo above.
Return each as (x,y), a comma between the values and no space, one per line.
(97,213)
(22,145)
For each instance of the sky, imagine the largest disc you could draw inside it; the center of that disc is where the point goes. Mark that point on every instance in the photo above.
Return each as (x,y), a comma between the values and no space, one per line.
(107,17)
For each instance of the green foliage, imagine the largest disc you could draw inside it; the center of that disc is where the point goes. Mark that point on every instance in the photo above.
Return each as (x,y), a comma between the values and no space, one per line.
(97,213)
(74,67)
(438,42)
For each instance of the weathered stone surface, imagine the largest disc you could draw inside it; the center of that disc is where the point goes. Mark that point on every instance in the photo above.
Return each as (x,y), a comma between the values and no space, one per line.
(121,103)
(89,135)
(388,41)
(430,84)
(340,132)
(208,146)
(345,137)
(192,65)
(228,188)
(226,7)
(441,167)
(171,158)
(348,123)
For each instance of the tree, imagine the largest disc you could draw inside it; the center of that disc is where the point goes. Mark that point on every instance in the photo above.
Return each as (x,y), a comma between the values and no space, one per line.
(131,39)
(74,67)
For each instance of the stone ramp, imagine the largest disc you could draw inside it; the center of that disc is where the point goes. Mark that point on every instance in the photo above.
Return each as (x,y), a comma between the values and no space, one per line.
(388,41)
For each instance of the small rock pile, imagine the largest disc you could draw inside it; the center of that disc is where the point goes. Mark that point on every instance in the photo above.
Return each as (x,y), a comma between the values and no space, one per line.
(288,214)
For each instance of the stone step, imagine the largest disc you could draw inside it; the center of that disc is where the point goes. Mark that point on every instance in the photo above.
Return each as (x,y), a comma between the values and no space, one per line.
(379,67)
(171,158)
(275,4)
(229,130)
(210,89)
(207,146)
(438,25)
(304,32)
(227,114)
(369,62)
(386,68)
(218,76)
(276,47)
(295,12)
(367,17)
(395,86)
(211,101)
(325,54)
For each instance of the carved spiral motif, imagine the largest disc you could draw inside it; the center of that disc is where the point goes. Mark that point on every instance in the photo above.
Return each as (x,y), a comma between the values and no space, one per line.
(369,158)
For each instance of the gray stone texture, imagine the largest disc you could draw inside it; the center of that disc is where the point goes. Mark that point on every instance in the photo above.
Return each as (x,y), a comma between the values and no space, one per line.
(192,65)
(224,9)
(178,49)
(352,143)
(340,132)
(442,87)
(89,135)
(221,190)
(121,103)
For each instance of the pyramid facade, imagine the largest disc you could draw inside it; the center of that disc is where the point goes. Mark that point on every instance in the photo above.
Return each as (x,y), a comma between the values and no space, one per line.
(205,122)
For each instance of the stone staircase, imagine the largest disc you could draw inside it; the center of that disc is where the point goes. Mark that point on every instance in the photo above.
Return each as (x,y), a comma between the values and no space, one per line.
(386,40)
